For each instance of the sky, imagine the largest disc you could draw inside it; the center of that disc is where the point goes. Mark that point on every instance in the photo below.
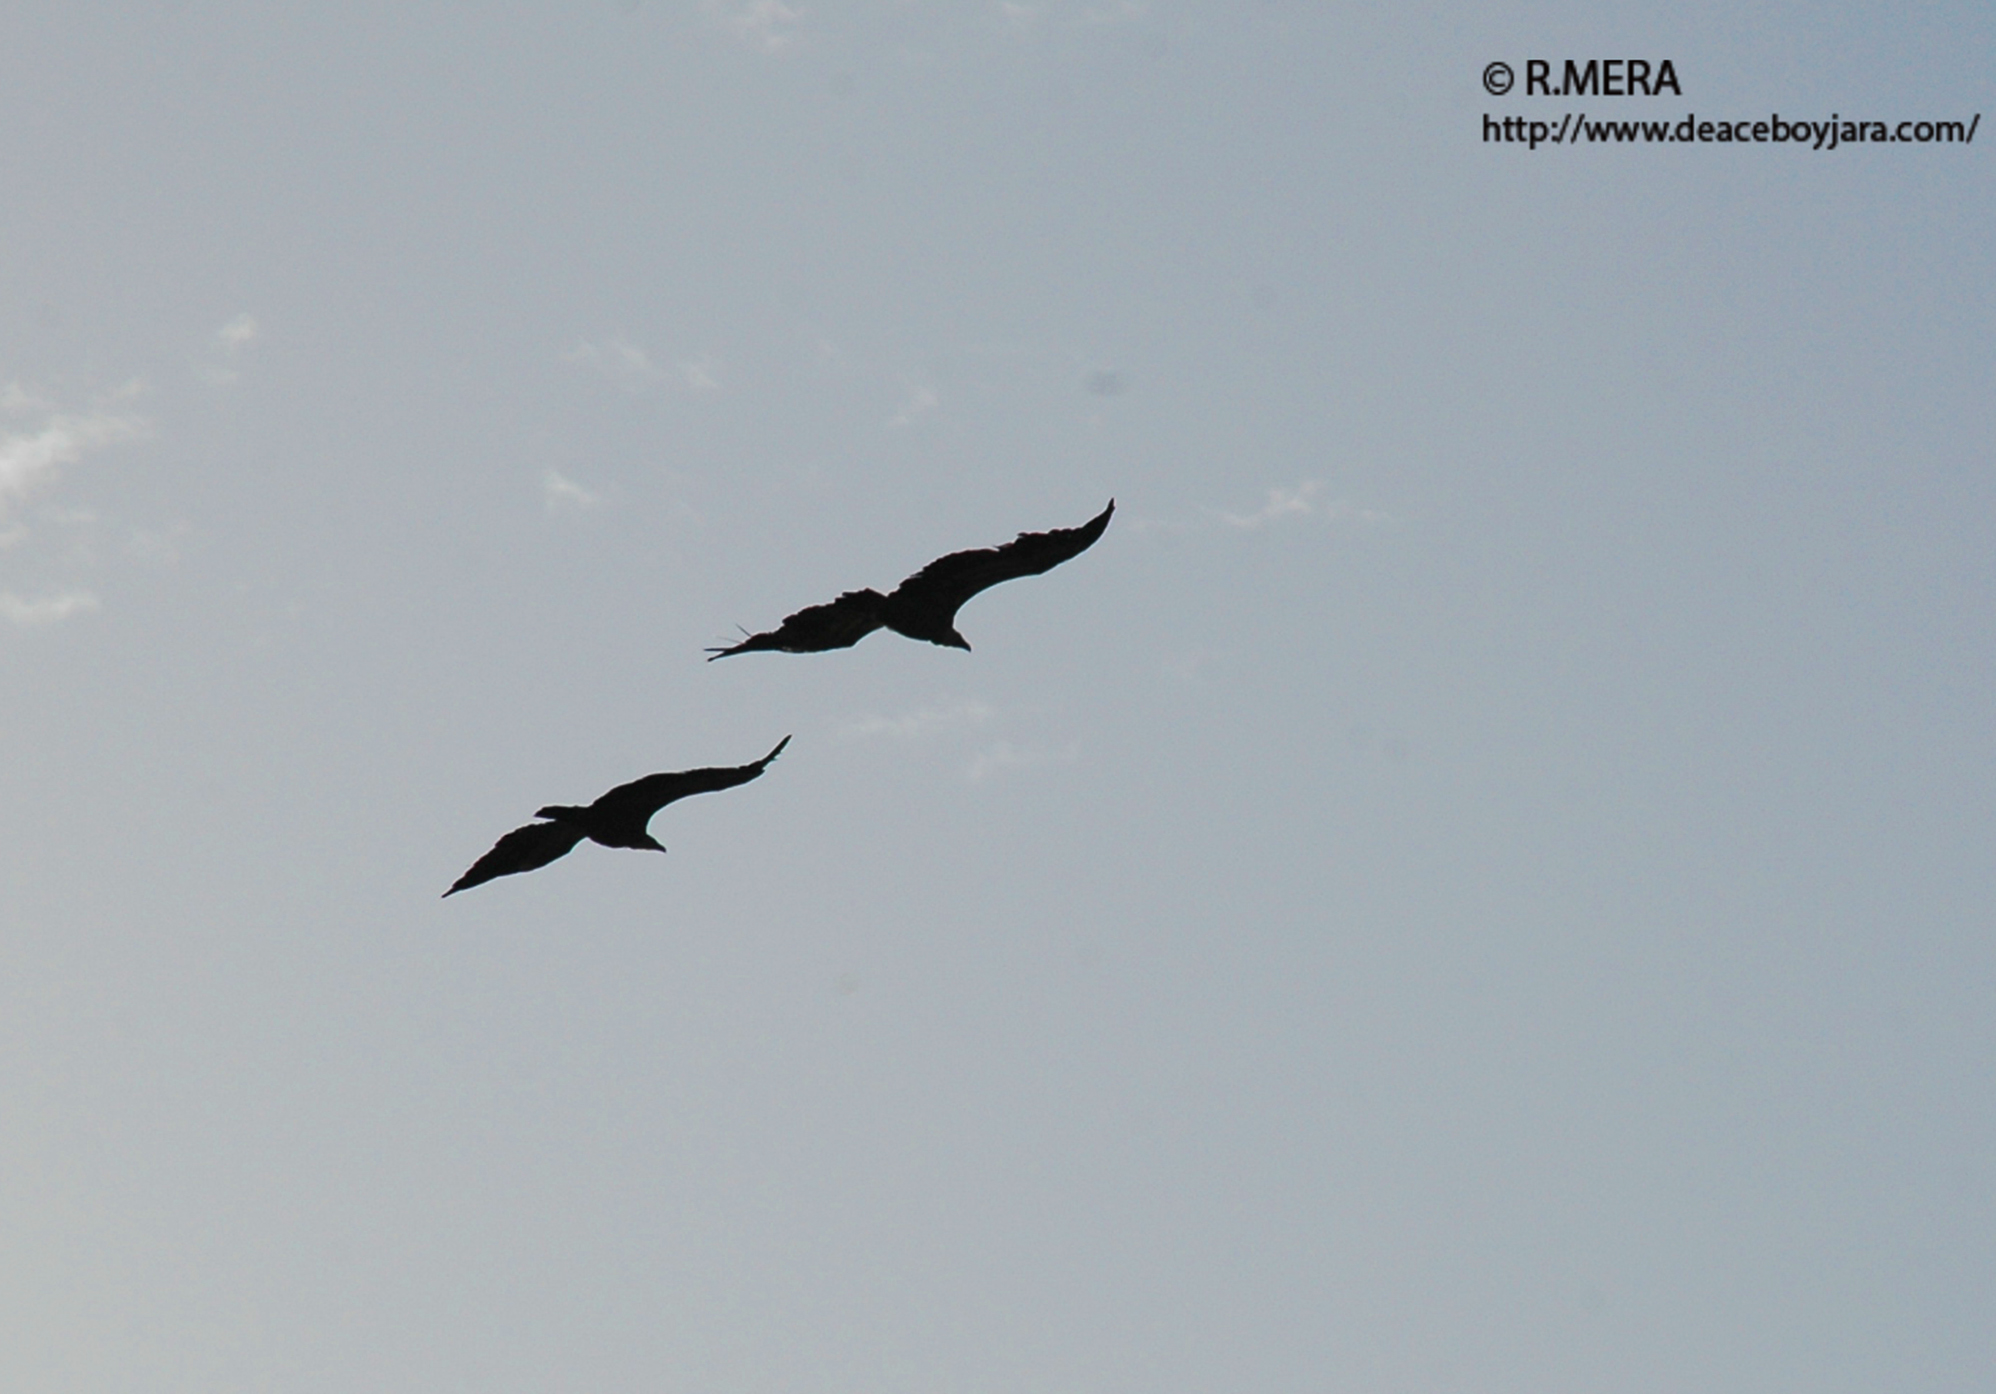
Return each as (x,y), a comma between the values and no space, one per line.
(1480,880)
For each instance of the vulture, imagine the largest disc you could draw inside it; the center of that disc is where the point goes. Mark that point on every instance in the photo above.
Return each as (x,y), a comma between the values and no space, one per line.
(617,819)
(924,606)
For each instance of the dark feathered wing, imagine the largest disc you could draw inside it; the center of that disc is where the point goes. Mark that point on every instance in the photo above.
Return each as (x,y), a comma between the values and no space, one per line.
(837,625)
(927,602)
(523,849)
(618,819)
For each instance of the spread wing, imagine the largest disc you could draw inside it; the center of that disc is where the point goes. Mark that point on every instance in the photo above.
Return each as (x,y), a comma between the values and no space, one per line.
(940,588)
(619,817)
(523,849)
(838,624)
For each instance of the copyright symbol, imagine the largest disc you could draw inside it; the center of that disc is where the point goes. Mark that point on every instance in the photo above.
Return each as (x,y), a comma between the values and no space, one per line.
(1497,79)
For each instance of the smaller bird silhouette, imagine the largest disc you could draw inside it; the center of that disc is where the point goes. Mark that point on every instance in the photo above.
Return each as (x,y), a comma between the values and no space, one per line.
(924,606)
(618,819)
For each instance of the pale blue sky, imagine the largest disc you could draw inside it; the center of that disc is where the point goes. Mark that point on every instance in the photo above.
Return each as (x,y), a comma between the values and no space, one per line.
(1480,881)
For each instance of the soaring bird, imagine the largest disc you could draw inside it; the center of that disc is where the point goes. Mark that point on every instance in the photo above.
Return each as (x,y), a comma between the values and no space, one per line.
(617,819)
(924,606)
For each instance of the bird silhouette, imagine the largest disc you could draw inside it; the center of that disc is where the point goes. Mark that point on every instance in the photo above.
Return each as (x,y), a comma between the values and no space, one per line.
(618,819)
(924,606)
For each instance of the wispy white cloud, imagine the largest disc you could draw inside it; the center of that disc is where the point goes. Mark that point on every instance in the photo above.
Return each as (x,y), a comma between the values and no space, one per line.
(230,341)
(916,724)
(919,403)
(768,24)
(1282,503)
(43,440)
(52,609)
(1115,12)
(995,759)
(31,460)
(699,374)
(1167,526)
(634,370)
(620,360)
(564,493)
(1021,15)
(929,723)
(1305,500)
(159,546)
(16,400)
(239,333)
(1187,666)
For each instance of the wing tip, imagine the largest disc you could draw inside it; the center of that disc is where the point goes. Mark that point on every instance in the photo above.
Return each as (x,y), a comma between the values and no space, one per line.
(723,650)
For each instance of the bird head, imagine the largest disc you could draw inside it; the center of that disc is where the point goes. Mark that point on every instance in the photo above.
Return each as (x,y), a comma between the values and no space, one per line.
(956,641)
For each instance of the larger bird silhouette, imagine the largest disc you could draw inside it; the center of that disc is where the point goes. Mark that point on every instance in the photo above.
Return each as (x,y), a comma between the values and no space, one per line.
(924,606)
(618,819)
